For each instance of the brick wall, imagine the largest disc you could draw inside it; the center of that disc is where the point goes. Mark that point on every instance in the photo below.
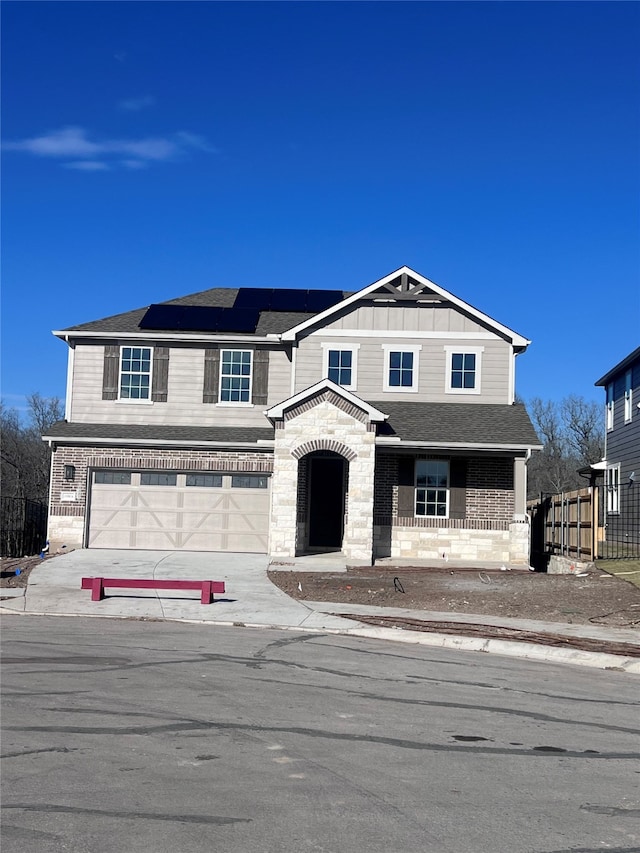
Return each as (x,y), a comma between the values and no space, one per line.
(83,458)
(490,495)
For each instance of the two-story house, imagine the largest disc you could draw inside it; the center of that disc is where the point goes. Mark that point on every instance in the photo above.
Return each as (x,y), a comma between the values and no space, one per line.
(621,462)
(377,423)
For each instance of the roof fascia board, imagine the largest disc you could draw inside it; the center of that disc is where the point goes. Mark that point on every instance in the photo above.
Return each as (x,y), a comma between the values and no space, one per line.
(155,442)
(278,411)
(454,445)
(622,365)
(163,336)
(514,337)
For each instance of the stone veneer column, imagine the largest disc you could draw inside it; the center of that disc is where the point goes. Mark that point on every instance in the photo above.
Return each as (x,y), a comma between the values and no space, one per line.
(332,426)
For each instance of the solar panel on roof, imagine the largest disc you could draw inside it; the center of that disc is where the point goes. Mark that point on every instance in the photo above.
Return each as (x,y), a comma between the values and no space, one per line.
(253,297)
(195,318)
(286,299)
(320,300)
(238,319)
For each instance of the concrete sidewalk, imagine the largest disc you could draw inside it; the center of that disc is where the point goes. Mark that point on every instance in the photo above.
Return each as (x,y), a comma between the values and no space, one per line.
(252,600)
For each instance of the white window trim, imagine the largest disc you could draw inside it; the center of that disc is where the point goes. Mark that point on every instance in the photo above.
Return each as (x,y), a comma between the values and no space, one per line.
(447,489)
(610,406)
(612,490)
(413,348)
(235,403)
(133,401)
(333,347)
(454,350)
(628,397)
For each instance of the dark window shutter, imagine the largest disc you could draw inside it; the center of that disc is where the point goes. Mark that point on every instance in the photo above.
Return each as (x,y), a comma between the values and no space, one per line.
(111,373)
(211,377)
(406,487)
(458,488)
(260,377)
(160,374)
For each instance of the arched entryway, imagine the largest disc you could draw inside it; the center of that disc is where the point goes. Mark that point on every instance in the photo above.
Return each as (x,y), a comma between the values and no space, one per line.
(322,500)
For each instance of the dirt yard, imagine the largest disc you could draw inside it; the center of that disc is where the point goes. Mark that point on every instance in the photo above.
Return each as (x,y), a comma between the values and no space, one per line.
(597,598)
(9,566)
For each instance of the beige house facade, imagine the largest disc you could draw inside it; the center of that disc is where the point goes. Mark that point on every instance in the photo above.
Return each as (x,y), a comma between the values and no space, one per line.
(375,422)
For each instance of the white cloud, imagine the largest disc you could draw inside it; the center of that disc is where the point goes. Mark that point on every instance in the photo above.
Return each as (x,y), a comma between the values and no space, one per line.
(68,142)
(87,165)
(136,104)
(103,154)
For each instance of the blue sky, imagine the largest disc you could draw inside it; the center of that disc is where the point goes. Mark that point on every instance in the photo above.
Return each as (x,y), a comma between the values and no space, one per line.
(155,149)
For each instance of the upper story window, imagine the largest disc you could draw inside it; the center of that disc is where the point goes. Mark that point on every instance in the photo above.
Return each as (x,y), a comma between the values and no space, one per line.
(432,488)
(463,369)
(235,376)
(401,367)
(628,397)
(135,373)
(340,364)
(610,405)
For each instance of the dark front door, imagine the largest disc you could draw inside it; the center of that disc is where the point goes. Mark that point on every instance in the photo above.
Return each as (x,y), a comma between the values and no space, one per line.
(326,502)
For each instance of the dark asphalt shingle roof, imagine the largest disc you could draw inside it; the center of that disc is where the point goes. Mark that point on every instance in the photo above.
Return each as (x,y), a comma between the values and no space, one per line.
(458,423)
(270,322)
(440,423)
(64,431)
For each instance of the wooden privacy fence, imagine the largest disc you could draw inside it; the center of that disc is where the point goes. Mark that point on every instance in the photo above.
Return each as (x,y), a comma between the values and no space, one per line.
(566,524)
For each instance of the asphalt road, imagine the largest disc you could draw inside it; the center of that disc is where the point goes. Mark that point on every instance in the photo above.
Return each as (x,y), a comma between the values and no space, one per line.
(145,737)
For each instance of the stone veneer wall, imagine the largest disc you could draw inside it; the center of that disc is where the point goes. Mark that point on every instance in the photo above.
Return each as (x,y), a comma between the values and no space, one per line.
(67,518)
(325,422)
(488,533)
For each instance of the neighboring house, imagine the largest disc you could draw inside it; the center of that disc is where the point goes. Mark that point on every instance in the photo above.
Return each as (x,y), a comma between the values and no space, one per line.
(378,423)
(621,464)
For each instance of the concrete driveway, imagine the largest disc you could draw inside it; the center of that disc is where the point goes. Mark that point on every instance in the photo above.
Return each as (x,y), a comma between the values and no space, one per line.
(250,598)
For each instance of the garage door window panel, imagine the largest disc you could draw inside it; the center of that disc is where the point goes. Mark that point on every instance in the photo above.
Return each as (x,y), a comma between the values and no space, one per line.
(155,478)
(113,478)
(249,481)
(208,481)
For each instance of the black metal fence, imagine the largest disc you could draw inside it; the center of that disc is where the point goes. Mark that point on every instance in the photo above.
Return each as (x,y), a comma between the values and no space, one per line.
(619,521)
(23,527)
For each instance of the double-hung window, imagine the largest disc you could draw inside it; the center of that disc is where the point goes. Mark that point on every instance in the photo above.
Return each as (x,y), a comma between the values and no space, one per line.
(235,376)
(340,364)
(463,369)
(610,404)
(628,397)
(612,484)
(401,367)
(432,488)
(135,373)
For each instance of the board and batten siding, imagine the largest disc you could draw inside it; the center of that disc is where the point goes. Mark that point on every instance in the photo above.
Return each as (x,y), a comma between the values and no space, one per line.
(623,441)
(432,369)
(184,400)
(407,317)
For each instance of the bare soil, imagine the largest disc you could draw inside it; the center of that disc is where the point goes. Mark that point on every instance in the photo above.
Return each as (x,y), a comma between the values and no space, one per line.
(10,565)
(597,598)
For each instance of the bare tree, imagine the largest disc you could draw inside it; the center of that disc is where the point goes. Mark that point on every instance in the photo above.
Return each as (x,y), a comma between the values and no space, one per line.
(584,428)
(572,432)
(25,457)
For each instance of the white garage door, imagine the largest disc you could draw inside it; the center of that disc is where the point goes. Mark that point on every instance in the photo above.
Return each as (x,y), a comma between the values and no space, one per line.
(169,511)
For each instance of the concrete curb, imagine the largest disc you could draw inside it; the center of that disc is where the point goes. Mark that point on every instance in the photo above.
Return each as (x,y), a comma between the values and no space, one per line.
(506,648)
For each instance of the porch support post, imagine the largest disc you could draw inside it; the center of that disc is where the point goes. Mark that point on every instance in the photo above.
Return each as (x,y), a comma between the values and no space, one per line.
(519,487)
(284,494)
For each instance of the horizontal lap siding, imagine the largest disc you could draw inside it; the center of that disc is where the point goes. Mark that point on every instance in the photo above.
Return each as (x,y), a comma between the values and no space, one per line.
(432,368)
(184,404)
